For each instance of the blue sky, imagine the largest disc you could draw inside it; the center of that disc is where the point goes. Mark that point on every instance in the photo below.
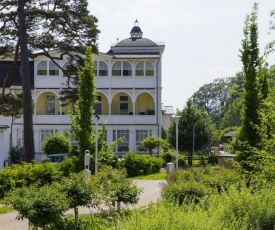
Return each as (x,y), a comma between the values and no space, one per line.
(202,37)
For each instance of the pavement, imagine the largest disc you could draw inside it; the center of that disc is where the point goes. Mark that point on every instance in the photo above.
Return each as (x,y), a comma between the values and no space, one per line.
(150,194)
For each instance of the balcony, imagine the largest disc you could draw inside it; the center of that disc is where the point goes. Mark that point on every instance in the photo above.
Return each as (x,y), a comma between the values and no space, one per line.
(111,120)
(127,119)
(125,82)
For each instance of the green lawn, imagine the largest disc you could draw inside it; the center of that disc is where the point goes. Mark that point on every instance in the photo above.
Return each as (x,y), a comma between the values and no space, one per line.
(156,176)
(4,209)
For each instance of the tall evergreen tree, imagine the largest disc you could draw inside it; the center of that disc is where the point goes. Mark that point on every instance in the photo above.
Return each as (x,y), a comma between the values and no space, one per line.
(251,61)
(81,122)
(36,27)
(250,138)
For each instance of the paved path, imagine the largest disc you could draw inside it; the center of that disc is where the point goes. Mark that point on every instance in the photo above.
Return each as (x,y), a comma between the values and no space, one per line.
(151,193)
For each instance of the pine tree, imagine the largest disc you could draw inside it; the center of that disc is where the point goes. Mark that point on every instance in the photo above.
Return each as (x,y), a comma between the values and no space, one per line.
(36,27)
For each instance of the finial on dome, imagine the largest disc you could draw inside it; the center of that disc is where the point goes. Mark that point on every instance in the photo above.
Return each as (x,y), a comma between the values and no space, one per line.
(136,31)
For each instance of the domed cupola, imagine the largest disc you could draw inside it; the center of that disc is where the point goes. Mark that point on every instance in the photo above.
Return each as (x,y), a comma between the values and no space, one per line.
(136,31)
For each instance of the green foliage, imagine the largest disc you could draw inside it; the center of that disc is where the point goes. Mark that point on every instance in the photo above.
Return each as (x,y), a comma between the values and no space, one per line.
(191,119)
(137,165)
(56,143)
(236,209)
(151,143)
(185,186)
(81,121)
(78,190)
(40,205)
(27,174)
(252,86)
(68,165)
(11,105)
(114,186)
(187,192)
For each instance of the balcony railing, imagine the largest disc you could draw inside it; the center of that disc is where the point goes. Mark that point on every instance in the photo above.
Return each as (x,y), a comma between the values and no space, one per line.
(109,119)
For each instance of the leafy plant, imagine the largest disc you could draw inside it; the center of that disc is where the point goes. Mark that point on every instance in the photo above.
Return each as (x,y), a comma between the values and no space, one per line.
(40,205)
(151,143)
(137,165)
(56,143)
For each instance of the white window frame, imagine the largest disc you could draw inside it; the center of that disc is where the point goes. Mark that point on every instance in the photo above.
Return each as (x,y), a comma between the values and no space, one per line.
(98,104)
(142,134)
(41,67)
(123,103)
(124,145)
(53,69)
(50,102)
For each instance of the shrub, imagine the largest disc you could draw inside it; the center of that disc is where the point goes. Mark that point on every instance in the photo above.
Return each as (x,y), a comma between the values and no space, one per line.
(168,156)
(69,165)
(181,183)
(151,143)
(213,160)
(56,143)
(138,165)
(185,192)
(40,205)
(27,174)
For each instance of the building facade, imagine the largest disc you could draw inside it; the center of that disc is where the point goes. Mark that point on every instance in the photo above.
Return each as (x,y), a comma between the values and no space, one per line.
(128,80)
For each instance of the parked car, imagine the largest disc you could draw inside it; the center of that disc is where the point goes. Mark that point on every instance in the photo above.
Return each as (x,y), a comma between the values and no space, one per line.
(57,157)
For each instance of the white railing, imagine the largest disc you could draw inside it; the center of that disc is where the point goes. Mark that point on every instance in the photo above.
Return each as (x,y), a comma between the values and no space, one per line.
(111,120)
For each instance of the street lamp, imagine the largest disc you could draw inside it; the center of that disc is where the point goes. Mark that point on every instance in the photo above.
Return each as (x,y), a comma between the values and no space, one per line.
(177,140)
(96,141)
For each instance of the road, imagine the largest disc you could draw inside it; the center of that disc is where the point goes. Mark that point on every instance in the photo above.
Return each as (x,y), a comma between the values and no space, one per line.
(151,193)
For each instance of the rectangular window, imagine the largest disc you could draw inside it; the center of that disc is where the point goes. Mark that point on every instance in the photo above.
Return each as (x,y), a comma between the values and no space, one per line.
(123,105)
(124,145)
(140,136)
(53,69)
(97,106)
(44,133)
(50,105)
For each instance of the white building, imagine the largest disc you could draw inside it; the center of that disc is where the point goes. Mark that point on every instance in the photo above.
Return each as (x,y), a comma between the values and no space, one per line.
(128,80)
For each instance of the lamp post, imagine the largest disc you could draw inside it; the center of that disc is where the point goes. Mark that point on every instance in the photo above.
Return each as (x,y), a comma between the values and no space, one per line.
(96,141)
(177,140)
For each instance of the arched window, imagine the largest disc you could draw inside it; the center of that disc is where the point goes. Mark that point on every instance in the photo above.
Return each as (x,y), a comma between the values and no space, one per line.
(42,68)
(103,69)
(140,69)
(149,69)
(53,69)
(127,69)
(116,69)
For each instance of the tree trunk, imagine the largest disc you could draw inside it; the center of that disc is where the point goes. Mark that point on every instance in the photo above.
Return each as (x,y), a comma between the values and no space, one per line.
(26,86)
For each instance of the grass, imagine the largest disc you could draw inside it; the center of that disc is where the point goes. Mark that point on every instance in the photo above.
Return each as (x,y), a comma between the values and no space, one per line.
(4,209)
(156,176)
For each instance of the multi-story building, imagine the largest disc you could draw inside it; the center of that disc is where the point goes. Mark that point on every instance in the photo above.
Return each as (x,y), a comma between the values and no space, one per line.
(128,80)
